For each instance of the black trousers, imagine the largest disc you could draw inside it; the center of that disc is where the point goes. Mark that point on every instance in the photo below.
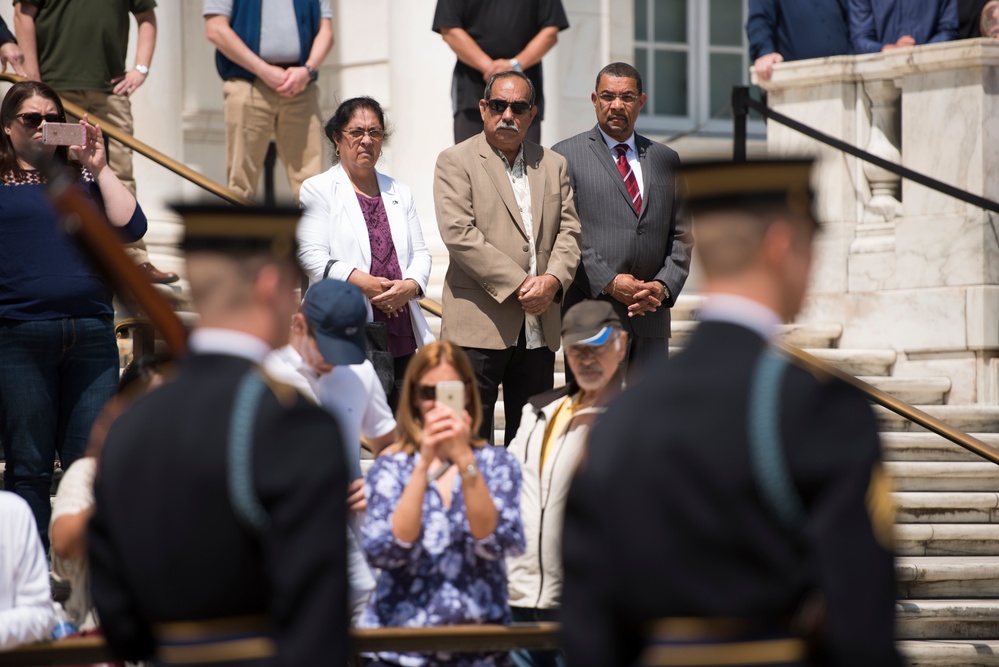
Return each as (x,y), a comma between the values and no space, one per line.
(523,373)
(468,123)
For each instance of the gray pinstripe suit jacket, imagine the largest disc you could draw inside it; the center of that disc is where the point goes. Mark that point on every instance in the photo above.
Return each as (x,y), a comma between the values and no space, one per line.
(653,244)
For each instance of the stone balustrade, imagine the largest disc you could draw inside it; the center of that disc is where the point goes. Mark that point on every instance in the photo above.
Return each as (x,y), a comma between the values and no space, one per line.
(900,265)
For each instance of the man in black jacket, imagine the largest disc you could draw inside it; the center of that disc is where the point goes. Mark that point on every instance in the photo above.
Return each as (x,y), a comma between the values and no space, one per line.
(732,508)
(219,530)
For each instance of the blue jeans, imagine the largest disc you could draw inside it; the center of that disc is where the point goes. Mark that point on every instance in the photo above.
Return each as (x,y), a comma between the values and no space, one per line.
(55,377)
(523,657)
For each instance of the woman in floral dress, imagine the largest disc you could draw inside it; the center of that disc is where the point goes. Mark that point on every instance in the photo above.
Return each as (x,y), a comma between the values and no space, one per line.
(443,513)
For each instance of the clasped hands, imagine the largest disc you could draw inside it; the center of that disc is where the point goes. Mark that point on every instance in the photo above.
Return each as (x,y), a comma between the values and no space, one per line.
(536,293)
(388,296)
(641,297)
(286,82)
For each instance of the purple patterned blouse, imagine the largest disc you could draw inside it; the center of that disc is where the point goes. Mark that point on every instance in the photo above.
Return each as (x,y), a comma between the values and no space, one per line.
(385,264)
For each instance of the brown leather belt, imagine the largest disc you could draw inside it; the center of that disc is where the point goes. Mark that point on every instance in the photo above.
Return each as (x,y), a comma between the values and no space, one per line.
(214,640)
(690,642)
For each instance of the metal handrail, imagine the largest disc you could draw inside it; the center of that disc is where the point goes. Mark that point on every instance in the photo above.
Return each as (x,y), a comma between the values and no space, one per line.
(815,365)
(742,102)
(119,135)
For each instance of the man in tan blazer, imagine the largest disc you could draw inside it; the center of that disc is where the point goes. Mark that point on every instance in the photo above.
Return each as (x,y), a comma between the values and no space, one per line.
(506,215)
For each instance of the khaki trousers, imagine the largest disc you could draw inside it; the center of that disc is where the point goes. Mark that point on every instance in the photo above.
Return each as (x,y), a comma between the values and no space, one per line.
(254,114)
(117,110)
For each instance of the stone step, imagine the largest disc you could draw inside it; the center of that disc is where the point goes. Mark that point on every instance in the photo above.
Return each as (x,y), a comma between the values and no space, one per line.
(860,362)
(947,619)
(956,653)
(685,308)
(943,507)
(927,446)
(943,475)
(913,390)
(946,539)
(855,362)
(967,418)
(947,576)
(819,335)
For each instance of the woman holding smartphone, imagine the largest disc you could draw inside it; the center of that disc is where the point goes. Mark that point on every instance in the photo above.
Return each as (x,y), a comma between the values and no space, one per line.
(58,354)
(443,512)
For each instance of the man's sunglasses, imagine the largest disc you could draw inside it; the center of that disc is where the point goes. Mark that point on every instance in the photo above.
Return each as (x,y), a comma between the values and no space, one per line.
(32,119)
(499,106)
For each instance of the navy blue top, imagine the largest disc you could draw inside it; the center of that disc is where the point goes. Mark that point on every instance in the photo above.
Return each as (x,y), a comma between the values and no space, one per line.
(5,34)
(43,274)
(798,29)
(874,23)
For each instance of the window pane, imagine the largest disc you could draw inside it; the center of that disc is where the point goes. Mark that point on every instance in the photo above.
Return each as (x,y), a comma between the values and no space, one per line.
(641,20)
(726,71)
(670,88)
(671,21)
(726,22)
(641,64)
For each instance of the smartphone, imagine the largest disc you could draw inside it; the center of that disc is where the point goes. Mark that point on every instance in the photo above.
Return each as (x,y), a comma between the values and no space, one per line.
(452,394)
(64,134)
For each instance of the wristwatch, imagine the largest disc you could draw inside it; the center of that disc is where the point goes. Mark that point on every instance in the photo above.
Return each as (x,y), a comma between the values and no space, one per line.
(313,73)
(470,471)
(142,69)
(515,65)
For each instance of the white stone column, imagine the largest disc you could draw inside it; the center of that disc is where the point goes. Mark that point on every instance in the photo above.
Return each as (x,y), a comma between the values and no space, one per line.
(884,205)
(157,108)
(420,112)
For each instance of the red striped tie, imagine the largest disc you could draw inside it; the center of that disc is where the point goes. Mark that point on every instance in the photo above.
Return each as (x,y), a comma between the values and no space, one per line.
(628,175)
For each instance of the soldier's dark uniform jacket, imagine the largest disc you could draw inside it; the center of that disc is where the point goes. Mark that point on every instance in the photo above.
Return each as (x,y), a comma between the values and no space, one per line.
(219,535)
(166,546)
(666,519)
(732,509)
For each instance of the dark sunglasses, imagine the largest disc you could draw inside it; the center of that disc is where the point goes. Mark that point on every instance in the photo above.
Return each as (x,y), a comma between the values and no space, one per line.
(499,106)
(427,392)
(32,119)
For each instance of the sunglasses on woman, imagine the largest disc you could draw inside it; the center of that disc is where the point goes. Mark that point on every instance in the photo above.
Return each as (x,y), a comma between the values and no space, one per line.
(32,119)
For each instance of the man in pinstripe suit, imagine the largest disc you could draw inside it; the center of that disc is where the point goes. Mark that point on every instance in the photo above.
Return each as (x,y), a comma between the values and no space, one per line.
(636,252)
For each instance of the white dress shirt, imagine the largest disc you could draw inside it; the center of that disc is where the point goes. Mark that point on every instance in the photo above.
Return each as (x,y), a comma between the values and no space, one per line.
(742,311)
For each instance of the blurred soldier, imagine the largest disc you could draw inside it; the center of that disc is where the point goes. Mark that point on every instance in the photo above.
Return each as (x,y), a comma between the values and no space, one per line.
(732,509)
(219,533)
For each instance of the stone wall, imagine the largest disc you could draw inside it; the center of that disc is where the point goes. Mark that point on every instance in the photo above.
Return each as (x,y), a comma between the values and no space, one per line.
(900,265)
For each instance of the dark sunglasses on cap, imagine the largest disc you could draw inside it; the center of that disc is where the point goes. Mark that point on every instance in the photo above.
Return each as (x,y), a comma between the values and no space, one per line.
(499,106)
(32,119)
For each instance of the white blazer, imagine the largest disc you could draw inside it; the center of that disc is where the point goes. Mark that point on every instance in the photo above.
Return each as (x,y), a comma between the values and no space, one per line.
(333,227)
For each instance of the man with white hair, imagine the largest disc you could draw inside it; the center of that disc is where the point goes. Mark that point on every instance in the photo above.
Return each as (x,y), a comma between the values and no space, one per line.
(549,444)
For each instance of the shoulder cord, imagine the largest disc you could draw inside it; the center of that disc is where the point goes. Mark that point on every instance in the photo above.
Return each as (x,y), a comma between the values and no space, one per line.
(239,455)
(766,453)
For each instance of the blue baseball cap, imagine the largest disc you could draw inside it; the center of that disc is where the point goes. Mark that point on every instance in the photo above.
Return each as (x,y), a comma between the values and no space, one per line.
(337,311)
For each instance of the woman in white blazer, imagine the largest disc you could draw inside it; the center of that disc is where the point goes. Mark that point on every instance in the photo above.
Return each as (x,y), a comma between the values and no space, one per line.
(361,226)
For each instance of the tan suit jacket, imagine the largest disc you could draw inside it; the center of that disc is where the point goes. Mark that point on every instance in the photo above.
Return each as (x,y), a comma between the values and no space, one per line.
(488,246)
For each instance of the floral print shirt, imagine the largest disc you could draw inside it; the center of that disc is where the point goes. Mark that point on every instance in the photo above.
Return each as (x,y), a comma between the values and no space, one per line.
(447,577)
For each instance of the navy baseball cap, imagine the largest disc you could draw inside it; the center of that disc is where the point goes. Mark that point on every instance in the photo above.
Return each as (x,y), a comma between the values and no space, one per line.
(337,311)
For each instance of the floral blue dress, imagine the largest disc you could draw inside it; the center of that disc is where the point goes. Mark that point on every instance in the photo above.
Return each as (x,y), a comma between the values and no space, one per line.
(447,577)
